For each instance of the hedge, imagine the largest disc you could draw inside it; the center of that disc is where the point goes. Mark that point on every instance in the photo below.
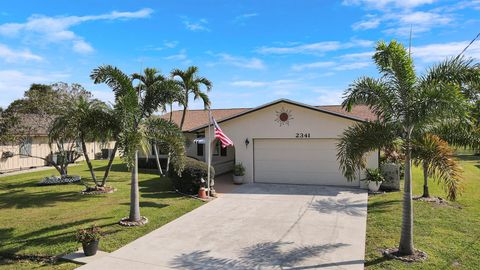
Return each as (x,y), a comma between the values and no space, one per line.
(189,181)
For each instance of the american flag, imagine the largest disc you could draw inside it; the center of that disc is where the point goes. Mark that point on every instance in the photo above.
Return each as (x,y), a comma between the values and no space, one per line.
(220,135)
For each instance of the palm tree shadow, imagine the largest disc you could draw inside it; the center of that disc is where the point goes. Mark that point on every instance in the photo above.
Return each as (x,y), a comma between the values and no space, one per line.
(343,206)
(262,255)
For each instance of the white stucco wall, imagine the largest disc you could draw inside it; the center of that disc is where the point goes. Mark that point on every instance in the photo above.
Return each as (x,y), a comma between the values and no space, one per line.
(261,124)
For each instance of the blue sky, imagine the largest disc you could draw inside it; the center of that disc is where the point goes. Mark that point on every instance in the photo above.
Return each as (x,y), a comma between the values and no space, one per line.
(253,51)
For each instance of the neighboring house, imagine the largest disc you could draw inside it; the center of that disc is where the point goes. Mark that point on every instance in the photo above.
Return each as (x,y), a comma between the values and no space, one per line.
(280,142)
(36,144)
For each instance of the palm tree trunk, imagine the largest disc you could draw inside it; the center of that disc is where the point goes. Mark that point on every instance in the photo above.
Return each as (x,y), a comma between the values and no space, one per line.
(171,111)
(89,163)
(406,238)
(185,107)
(168,162)
(134,193)
(109,166)
(426,193)
(158,160)
(183,116)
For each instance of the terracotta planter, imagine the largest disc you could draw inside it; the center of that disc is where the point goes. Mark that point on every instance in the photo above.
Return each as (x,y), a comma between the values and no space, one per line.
(374,186)
(90,249)
(238,179)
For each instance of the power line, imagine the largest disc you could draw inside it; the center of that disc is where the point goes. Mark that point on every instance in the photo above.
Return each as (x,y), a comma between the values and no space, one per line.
(469,44)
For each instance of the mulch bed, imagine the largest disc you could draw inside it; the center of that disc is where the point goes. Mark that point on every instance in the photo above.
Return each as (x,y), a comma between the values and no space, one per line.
(98,190)
(438,201)
(126,222)
(392,253)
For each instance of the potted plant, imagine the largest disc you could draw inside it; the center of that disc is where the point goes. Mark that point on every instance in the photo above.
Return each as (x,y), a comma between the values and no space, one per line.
(238,173)
(89,237)
(374,179)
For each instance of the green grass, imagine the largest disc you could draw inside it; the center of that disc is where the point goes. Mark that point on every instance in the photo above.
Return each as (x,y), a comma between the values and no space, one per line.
(42,221)
(449,235)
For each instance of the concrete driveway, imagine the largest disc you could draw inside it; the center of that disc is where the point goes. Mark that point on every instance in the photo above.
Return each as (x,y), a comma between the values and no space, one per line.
(258,226)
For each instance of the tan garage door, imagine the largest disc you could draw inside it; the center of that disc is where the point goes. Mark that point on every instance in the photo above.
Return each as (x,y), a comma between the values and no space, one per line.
(298,161)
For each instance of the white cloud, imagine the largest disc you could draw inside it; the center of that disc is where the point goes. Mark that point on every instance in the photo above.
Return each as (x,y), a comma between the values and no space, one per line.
(387,4)
(12,56)
(366,24)
(352,66)
(57,29)
(328,96)
(318,48)
(170,44)
(200,25)
(240,19)
(249,84)
(13,83)
(419,21)
(322,64)
(440,51)
(237,61)
(182,55)
(358,56)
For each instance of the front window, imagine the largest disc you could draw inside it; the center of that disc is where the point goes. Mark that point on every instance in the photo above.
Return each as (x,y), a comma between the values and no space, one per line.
(26,147)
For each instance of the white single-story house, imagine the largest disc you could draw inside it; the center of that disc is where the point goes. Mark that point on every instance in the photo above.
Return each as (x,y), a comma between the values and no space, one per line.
(279,142)
(35,144)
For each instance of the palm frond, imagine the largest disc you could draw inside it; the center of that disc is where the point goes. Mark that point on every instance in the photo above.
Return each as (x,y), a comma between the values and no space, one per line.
(358,140)
(435,153)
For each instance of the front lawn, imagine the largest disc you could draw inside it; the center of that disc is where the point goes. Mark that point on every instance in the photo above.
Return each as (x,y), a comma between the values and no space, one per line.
(449,234)
(41,221)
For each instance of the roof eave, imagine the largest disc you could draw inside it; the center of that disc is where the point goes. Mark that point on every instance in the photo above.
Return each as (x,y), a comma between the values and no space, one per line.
(276,102)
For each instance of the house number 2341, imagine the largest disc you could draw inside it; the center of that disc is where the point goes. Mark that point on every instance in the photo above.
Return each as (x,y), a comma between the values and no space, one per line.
(302,135)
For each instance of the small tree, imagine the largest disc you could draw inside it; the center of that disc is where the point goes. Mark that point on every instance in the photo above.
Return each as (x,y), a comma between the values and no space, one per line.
(132,107)
(404,103)
(148,81)
(86,120)
(435,157)
(191,83)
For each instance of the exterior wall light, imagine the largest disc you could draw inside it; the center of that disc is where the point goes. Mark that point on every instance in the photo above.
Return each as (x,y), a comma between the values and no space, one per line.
(247,142)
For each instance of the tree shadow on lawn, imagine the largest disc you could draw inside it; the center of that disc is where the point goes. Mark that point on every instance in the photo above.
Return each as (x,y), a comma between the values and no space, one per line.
(46,237)
(21,199)
(377,261)
(262,255)
(157,188)
(468,157)
(150,204)
(382,206)
(116,167)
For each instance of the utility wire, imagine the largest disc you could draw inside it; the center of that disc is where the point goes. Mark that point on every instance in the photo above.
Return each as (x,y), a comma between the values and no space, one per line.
(469,44)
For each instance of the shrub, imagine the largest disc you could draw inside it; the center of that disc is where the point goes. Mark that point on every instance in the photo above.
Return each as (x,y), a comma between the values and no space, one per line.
(89,235)
(189,180)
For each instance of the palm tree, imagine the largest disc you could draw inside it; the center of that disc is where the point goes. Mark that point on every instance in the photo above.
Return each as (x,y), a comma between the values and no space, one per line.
(152,79)
(86,120)
(133,107)
(404,104)
(436,158)
(190,83)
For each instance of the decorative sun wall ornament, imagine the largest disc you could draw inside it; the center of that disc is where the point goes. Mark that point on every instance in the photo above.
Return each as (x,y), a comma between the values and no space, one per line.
(283,116)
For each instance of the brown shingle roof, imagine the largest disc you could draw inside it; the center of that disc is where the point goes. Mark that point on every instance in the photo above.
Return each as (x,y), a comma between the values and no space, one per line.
(32,125)
(359,111)
(198,118)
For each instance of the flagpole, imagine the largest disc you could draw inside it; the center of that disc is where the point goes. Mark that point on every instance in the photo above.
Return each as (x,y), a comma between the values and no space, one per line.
(209,160)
